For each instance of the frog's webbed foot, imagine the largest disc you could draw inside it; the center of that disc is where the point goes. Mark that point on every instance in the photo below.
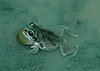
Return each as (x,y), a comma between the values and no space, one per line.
(68,31)
(34,48)
(65,50)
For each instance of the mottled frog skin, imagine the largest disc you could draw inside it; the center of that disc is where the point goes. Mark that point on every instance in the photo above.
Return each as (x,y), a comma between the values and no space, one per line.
(38,38)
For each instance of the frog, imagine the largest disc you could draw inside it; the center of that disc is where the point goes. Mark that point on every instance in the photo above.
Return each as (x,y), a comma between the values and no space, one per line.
(39,38)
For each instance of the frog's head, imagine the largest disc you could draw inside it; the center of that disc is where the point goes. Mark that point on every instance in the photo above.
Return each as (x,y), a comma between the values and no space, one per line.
(27,35)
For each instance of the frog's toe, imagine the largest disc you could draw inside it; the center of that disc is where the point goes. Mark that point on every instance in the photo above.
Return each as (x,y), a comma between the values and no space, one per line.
(33,50)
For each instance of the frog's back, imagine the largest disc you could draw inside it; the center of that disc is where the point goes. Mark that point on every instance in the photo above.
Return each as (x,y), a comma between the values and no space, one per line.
(51,36)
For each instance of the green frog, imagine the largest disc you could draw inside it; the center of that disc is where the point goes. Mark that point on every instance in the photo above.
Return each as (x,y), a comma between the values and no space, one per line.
(39,38)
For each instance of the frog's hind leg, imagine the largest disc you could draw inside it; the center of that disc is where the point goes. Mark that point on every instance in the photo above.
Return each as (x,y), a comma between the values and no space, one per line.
(65,50)
(68,31)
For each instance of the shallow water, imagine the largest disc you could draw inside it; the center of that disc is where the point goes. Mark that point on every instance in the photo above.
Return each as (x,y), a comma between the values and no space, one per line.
(81,15)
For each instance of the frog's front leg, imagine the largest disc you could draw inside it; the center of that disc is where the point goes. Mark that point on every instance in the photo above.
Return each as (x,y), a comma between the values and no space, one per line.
(34,48)
(64,48)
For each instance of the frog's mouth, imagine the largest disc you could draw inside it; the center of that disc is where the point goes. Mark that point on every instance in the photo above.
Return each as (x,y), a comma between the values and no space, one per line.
(24,37)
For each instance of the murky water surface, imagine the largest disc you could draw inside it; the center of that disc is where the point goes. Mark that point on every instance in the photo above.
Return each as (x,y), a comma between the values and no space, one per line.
(83,16)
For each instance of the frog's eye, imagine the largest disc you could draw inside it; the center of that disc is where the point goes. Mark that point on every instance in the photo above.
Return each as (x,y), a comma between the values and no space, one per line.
(30,32)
